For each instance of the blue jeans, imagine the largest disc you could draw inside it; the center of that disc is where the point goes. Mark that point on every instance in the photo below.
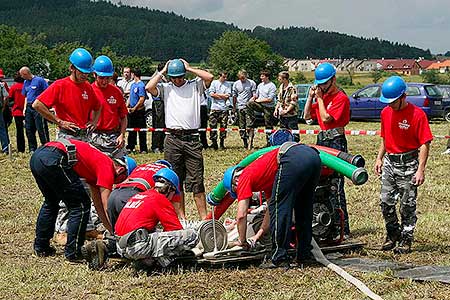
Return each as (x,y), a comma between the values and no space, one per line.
(4,138)
(57,181)
(293,189)
(35,122)
(339,143)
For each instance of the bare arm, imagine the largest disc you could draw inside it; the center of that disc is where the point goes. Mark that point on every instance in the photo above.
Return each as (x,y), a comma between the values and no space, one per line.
(121,138)
(419,177)
(42,109)
(91,125)
(242,221)
(205,75)
(100,197)
(379,160)
(308,104)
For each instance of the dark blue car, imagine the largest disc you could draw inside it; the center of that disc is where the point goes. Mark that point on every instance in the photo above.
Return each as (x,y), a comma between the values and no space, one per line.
(365,104)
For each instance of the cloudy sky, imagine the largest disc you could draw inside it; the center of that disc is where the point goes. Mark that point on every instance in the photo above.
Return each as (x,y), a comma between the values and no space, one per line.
(421,23)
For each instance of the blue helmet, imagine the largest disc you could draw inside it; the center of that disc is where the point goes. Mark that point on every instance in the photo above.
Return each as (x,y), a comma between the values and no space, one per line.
(176,68)
(82,60)
(103,66)
(164,162)
(324,72)
(392,89)
(131,164)
(170,176)
(228,180)
(281,136)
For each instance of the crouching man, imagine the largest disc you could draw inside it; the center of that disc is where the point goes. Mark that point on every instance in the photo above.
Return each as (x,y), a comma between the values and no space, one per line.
(57,167)
(138,219)
(288,176)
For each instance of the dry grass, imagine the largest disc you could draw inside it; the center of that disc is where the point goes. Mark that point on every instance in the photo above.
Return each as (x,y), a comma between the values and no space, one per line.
(24,276)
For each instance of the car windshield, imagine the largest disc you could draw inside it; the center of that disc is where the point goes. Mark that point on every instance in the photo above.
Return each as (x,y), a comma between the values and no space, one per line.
(433,90)
(445,91)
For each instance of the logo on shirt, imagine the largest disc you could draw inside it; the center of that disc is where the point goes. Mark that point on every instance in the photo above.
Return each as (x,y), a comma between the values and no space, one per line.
(404,125)
(135,90)
(112,100)
(84,95)
(133,204)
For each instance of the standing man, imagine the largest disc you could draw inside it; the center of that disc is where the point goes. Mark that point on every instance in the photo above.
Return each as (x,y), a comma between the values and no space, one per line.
(332,109)
(57,168)
(15,93)
(182,147)
(32,88)
(109,136)
(125,83)
(288,176)
(263,101)
(136,113)
(287,106)
(73,99)
(220,92)
(405,146)
(243,90)
(158,117)
(4,138)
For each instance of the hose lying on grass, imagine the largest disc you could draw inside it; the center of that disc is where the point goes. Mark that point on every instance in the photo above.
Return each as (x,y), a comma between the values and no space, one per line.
(318,255)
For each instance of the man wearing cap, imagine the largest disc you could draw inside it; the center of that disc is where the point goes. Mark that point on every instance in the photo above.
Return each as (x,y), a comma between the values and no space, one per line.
(401,162)
(33,86)
(57,168)
(109,136)
(288,177)
(182,147)
(76,105)
(332,109)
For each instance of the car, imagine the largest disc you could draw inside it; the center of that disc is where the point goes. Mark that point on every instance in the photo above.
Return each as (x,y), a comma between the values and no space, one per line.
(302,92)
(445,89)
(365,103)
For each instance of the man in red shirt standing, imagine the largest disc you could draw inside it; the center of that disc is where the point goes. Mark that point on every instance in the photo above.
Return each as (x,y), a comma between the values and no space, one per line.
(73,100)
(109,136)
(288,176)
(138,219)
(15,93)
(332,109)
(57,168)
(405,146)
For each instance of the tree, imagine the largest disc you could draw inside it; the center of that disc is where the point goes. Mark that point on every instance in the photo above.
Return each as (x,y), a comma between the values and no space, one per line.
(236,50)
(431,76)
(376,75)
(299,77)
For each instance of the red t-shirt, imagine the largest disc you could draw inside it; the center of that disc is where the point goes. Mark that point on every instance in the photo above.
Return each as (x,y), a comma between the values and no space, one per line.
(72,101)
(145,172)
(15,92)
(93,165)
(145,210)
(337,106)
(404,130)
(258,176)
(113,107)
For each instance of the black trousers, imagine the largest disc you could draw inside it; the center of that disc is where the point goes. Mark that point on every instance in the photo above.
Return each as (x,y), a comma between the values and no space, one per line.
(20,136)
(158,121)
(203,124)
(137,120)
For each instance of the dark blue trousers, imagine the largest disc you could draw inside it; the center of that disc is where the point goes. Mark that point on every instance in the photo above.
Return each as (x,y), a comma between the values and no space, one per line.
(339,143)
(57,181)
(293,190)
(35,122)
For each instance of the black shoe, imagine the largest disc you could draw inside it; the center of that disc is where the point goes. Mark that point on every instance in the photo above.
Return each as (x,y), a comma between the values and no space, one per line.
(271,265)
(245,143)
(214,145)
(222,144)
(403,247)
(50,251)
(390,242)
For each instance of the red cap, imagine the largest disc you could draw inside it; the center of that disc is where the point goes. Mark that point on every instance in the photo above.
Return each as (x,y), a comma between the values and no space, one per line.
(1,74)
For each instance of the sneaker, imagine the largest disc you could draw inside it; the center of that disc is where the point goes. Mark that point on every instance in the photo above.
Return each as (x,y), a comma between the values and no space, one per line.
(50,251)
(271,265)
(446,152)
(390,242)
(403,247)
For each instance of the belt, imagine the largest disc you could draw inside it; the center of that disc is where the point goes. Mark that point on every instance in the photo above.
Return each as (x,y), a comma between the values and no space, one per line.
(330,134)
(76,132)
(181,132)
(107,131)
(403,157)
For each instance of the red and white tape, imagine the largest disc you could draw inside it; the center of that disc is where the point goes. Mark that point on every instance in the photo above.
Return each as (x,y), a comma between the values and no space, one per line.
(300,131)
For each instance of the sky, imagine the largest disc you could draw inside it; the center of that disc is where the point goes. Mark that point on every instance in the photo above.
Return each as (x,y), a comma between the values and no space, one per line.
(420,23)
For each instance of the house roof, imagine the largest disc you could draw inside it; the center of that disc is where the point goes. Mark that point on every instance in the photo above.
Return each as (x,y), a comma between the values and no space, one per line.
(438,65)
(396,64)
(424,63)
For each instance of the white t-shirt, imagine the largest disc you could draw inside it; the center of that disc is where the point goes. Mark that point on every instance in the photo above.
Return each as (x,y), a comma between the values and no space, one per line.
(267,90)
(218,87)
(182,104)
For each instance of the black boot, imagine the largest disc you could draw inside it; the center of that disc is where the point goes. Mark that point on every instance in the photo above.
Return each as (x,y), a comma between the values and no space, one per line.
(404,246)
(245,143)
(222,144)
(214,145)
(391,241)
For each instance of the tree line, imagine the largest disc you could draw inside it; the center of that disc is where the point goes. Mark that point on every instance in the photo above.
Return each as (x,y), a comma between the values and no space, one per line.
(132,31)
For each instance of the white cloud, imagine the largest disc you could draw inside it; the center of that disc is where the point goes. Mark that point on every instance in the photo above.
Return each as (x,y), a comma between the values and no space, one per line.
(421,23)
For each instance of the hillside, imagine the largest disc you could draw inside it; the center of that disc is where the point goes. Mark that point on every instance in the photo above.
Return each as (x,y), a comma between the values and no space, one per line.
(161,35)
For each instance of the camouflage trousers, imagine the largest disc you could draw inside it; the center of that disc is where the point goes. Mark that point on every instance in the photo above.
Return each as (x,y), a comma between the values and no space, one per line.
(397,186)
(218,117)
(107,143)
(160,246)
(244,119)
(269,119)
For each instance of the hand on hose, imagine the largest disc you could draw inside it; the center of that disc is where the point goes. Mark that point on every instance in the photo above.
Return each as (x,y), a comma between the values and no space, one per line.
(210,200)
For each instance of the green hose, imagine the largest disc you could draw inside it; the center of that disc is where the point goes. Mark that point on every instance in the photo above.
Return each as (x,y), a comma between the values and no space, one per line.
(357,175)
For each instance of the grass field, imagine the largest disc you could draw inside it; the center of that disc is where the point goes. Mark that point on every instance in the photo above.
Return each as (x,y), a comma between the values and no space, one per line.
(24,276)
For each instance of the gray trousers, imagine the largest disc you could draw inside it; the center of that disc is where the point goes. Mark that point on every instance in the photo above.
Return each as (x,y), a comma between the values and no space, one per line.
(161,246)
(106,142)
(397,186)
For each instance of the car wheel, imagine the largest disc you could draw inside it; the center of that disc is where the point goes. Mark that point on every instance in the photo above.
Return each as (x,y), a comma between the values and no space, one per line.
(447,115)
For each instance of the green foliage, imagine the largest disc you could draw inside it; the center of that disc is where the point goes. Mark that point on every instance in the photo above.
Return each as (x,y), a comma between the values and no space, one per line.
(299,77)
(432,76)
(377,75)
(236,50)
(344,80)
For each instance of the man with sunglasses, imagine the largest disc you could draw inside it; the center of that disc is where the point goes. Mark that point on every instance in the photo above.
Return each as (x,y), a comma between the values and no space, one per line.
(76,105)
(401,162)
(182,146)
(332,109)
(109,136)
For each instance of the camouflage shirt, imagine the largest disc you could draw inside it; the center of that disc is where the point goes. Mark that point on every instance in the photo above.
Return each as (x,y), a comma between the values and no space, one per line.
(287,96)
